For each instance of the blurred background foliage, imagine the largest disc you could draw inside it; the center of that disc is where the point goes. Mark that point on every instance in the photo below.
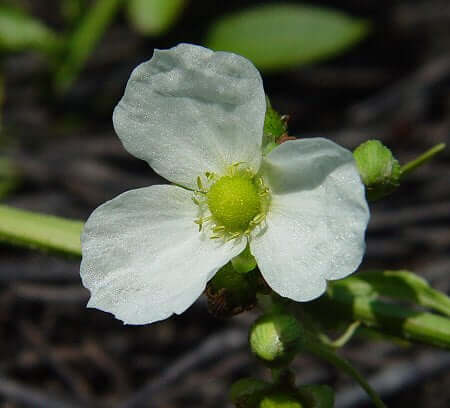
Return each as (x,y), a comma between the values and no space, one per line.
(349,70)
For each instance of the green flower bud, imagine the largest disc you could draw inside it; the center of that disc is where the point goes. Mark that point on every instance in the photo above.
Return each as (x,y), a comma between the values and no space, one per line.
(274,338)
(230,293)
(280,400)
(317,396)
(379,170)
(247,392)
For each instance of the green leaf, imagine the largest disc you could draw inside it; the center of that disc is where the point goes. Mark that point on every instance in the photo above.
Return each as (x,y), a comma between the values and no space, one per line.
(19,31)
(402,285)
(84,40)
(281,36)
(34,230)
(152,17)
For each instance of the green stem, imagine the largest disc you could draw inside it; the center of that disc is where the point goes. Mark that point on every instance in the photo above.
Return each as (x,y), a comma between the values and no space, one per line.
(323,351)
(394,319)
(342,340)
(422,159)
(39,231)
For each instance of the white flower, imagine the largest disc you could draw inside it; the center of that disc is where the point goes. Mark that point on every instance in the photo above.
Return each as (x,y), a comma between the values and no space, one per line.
(196,116)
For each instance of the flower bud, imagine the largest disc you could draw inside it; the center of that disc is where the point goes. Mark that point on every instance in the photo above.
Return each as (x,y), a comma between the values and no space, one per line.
(247,392)
(280,400)
(316,396)
(379,170)
(230,293)
(274,338)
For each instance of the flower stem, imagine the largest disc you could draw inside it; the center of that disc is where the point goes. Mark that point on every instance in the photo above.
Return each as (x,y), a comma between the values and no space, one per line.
(422,159)
(323,351)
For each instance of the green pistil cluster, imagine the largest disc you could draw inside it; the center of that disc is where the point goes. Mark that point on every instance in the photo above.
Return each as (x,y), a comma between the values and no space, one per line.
(234,201)
(237,202)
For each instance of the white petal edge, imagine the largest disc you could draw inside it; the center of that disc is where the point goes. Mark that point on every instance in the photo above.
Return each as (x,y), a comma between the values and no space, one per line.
(316,224)
(144,258)
(190,110)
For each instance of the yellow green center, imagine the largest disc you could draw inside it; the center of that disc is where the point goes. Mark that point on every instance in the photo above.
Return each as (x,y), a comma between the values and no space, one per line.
(234,201)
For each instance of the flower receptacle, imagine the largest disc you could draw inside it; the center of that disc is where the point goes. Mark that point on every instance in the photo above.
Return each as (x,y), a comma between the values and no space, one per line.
(230,292)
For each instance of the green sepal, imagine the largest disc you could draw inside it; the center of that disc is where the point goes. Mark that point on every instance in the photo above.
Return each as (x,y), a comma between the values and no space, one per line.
(275,126)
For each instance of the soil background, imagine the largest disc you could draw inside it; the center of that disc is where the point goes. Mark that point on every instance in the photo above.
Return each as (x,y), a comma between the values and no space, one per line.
(394,86)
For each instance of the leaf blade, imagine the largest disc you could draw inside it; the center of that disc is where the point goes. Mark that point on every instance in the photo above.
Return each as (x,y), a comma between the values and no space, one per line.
(20,31)
(275,37)
(84,39)
(153,17)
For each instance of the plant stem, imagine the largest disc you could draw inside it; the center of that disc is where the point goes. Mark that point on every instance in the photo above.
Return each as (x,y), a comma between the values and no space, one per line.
(40,231)
(323,351)
(422,159)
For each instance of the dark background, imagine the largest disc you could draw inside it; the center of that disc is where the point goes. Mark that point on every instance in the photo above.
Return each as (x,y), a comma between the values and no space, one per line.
(394,86)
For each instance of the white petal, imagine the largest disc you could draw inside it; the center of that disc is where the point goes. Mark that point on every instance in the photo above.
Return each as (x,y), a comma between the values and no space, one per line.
(190,110)
(317,220)
(143,257)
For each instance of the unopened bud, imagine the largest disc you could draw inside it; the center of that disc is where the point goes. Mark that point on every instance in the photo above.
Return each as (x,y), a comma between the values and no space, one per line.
(379,170)
(280,400)
(274,338)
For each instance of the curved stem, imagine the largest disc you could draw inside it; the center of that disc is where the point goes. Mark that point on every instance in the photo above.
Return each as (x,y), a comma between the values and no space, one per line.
(323,351)
(422,159)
